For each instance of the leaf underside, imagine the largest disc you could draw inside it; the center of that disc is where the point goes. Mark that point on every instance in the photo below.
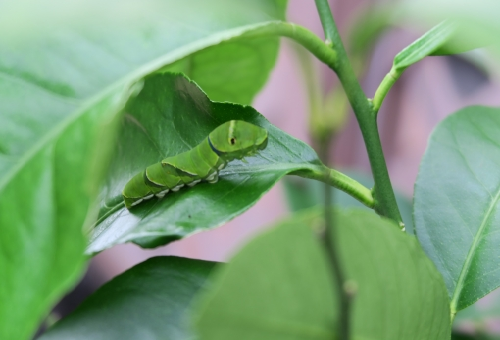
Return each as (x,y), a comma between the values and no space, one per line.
(149,301)
(171,115)
(280,286)
(456,207)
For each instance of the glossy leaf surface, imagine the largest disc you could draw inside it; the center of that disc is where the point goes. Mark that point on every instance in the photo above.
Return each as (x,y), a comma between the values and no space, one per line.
(148,301)
(45,197)
(60,88)
(280,286)
(59,92)
(171,115)
(456,204)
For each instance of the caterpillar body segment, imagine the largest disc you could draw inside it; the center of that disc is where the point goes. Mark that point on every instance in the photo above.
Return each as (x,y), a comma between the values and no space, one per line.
(232,140)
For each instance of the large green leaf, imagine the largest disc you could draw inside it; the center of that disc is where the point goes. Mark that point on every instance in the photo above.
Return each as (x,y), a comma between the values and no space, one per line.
(169,116)
(279,286)
(456,204)
(303,193)
(58,89)
(148,301)
(244,70)
(45,197)
(201,33)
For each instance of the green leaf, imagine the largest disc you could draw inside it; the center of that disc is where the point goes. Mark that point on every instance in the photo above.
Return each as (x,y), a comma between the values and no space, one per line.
(171,115)
(302,193)
(456,204)
(235,78)
(373,20)
(423,46)
(279,286)
(208,35)
(475,22)
(45,197)
(416,51)
(59,91)
(148,301)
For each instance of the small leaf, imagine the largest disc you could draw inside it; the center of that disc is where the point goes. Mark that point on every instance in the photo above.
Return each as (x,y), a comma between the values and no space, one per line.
(171,115)
(456,204)
(475,22)
(423,46)
(418,50)
(148,301)
(280,286)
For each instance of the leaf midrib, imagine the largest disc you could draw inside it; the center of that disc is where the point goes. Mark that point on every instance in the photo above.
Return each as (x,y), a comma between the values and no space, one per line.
(53,133)
(470,254)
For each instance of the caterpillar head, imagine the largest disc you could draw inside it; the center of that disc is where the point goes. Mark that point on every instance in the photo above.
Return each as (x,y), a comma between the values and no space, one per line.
(237,139)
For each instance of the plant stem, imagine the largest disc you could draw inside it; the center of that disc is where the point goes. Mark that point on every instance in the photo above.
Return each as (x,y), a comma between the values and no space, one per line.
(340,181)
(300,35)
(384,87)
(332,252)
(335,57)
(329,27)
(385,201)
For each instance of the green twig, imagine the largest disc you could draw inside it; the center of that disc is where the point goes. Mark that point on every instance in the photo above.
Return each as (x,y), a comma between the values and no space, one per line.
(298,34)
(340,181)
(384,88)
(330,241)
(385,201)
(325,15)
(335,57)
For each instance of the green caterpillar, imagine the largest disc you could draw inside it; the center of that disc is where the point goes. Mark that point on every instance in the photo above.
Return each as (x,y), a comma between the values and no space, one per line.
(234,139)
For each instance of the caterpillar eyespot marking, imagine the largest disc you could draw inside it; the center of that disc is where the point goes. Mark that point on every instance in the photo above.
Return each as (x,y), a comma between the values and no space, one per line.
(232,140)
